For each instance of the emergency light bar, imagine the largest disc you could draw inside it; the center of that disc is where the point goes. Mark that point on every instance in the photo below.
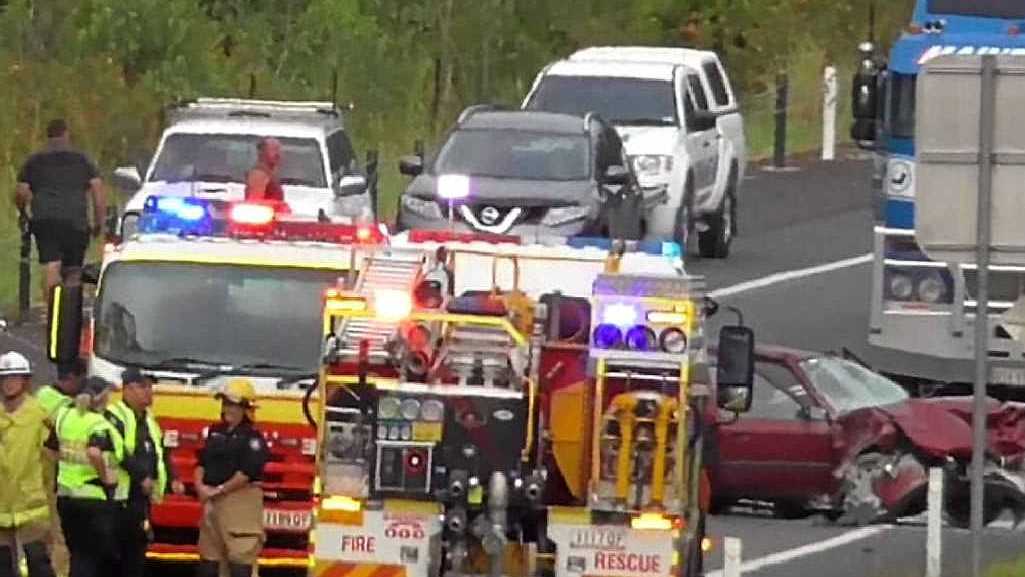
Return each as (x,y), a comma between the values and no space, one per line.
(651,316)
(190,216)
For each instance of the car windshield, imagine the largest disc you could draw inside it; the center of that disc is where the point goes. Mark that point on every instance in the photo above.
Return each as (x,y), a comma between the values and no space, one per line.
(515,154)
(621,101)
(228,157)
(153,313)
(849,386)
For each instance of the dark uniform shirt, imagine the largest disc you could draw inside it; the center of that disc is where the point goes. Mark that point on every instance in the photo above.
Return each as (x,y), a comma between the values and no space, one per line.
(59,178)
(229,451)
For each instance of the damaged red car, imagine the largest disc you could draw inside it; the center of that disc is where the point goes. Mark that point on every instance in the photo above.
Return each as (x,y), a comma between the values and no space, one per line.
(827,434)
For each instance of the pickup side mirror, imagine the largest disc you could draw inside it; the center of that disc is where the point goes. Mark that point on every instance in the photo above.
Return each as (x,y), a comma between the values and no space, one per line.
(64,324)
(703,120)
(411,165)
(735,368)
(351,185)
(616,174)
(865,98)
(127,178)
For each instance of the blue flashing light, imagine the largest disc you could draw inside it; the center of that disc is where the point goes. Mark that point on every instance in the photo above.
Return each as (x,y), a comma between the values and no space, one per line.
(607,336)
(641,338)
(672,250)
(173,214)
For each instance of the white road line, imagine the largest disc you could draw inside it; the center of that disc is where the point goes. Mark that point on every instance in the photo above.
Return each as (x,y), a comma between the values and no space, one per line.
(790,275)
(806,550)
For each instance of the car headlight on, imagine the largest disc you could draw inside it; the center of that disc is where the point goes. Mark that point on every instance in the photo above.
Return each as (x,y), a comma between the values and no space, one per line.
(564,214)
(931,288)
(422,207)
(652,164)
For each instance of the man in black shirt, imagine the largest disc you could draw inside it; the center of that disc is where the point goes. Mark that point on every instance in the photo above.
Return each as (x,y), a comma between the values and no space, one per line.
(53,186)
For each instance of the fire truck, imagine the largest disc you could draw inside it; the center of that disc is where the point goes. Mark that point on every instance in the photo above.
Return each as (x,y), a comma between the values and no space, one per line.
(488,407)
(205,291)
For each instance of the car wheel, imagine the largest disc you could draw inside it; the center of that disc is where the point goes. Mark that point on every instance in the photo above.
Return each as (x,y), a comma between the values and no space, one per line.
(715,241)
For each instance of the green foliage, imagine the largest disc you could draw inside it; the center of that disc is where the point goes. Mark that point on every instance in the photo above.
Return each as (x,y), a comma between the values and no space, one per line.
(109,66)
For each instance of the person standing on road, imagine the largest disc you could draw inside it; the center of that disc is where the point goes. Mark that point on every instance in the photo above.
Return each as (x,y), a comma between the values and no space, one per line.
(53,398)
(262,180)
(228,484)
(53,186)
(92,487)
(24,512)
(148,464)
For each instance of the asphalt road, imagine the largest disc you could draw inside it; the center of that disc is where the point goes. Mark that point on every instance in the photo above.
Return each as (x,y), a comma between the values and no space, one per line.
(791,224)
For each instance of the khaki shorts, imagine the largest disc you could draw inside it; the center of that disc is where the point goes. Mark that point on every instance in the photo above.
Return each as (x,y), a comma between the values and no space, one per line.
(231,528)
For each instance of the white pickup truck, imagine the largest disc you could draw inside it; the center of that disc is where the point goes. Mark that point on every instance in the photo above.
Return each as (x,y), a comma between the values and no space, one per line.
(681,127)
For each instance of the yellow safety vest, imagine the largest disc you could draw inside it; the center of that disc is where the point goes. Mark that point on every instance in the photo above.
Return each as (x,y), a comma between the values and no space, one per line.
(22,491)
(76,476)
(123,413)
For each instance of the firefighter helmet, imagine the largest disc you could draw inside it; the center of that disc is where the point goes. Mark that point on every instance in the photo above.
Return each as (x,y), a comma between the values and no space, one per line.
(14,363)
(239,391)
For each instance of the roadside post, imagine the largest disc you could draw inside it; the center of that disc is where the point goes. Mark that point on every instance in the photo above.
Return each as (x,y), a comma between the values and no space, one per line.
(731,557)
(779,146)
(971,163)
(829,91)
(934,534)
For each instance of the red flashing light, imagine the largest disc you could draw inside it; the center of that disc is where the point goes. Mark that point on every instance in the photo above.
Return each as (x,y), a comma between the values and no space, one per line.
(363,233)
(253,214)
(419,236)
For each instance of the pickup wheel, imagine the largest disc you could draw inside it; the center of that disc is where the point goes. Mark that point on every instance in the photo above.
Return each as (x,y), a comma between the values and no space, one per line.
(715,241)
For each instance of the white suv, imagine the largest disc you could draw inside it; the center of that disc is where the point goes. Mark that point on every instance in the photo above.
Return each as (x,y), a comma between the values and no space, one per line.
(678,116)
(210,144)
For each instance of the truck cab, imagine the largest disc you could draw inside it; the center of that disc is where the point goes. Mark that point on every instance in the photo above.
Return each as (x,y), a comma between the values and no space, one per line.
(209,146)
(690,162)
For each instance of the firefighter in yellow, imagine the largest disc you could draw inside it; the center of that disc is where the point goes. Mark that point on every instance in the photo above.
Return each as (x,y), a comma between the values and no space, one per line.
(149,467)
(24,511)
(92,487)
(228,484)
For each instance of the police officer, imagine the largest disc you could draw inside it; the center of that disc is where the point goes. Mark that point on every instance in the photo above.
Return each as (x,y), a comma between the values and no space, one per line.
(92,487)
(24,513)
(227,482)
(148,464)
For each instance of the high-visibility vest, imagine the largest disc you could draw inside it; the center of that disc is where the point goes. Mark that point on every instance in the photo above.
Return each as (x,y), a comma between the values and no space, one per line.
(123,413)
(76,476)
(22,493)
(52,400)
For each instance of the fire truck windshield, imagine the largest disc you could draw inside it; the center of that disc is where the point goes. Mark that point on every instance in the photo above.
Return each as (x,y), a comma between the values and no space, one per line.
(184,315)
(982,8)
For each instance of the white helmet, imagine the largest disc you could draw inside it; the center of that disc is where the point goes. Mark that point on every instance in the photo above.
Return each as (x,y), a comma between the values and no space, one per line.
(14,363)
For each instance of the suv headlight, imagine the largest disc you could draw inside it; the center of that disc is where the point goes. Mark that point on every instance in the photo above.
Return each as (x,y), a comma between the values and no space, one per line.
(564,214)
(422,207)
(652,165)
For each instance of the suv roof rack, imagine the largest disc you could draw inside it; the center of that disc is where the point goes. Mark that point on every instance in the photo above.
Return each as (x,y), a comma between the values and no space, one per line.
(471,110)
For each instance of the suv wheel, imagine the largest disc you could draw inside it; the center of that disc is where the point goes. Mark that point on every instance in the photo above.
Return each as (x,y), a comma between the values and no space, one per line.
(715,241)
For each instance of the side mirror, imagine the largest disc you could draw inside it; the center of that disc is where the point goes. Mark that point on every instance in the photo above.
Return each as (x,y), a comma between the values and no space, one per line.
(616,174)
(351,185)
(703,120)
(64,324)
(865,101)
(127,178)
(411,165)
(735,368)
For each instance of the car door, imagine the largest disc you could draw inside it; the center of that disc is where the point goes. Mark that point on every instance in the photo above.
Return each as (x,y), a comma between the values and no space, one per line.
(781,449)
(701,143)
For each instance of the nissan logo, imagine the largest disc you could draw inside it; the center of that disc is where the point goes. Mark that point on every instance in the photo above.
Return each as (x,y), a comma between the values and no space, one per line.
(489,215)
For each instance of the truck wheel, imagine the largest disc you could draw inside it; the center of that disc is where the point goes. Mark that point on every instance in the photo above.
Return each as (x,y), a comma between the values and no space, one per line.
(715,242)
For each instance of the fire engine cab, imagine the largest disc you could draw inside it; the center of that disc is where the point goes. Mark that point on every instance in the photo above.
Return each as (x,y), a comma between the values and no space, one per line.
(494,408)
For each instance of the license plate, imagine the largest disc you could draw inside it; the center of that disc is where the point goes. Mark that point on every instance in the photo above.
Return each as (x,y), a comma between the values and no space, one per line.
(286,520)
(1014,376)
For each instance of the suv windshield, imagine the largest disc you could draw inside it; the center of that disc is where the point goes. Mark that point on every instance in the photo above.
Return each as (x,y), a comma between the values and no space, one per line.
(515,154)
(849,386)
(623,101)
(148,313)
(227,158)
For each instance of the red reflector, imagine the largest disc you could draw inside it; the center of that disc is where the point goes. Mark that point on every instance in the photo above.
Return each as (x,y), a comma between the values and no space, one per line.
(452,236)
